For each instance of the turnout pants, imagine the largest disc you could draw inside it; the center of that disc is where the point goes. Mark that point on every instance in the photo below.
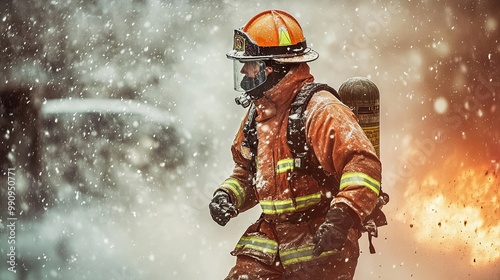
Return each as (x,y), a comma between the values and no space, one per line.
(283,251)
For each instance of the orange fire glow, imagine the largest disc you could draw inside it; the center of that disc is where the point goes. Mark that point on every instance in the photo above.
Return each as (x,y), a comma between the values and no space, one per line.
(455,208)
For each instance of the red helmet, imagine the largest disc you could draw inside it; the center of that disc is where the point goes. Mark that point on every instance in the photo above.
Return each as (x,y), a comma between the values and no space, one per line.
(271,35)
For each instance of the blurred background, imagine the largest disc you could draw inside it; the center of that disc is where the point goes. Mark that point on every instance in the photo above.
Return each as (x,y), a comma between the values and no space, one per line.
(117,118)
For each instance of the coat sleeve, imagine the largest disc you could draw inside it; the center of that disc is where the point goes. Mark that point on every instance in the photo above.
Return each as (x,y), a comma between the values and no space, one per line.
(343,149)
(239,184)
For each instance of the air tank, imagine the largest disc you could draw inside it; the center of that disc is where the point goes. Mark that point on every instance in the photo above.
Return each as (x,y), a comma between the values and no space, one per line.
(363,97)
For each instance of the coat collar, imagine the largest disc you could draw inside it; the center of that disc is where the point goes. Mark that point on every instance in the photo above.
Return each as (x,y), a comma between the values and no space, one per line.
(280,97)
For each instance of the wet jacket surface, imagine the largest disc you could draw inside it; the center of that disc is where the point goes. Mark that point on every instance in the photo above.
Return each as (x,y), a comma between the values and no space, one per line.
(339,146)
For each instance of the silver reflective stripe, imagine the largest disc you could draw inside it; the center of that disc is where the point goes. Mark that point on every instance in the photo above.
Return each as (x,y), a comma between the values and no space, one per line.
(234,186)
(289,205)
(303,254)
(284,165)
(259,244)
(359,179)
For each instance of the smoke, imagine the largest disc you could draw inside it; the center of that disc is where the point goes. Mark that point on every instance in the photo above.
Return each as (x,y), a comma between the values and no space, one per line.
(435,63)
(444,169)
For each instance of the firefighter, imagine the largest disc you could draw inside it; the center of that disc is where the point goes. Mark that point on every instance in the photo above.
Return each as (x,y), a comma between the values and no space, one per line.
(309,228)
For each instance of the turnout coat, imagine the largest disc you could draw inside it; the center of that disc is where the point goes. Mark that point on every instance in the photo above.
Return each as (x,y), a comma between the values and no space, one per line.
(293,202)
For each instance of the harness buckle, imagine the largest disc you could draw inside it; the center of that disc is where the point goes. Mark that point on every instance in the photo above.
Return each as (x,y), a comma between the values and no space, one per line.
(299,162)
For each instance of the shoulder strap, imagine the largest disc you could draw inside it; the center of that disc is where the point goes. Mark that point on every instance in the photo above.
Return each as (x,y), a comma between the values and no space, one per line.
(296,135)
(250,139)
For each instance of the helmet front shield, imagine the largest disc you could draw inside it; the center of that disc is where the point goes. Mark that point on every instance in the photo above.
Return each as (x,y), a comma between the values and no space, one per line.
(244,48)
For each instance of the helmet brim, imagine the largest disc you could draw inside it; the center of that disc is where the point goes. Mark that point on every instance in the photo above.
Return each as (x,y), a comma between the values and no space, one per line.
(307,56)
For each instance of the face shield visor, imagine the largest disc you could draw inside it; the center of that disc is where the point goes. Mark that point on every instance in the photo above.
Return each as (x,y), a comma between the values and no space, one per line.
(249,74)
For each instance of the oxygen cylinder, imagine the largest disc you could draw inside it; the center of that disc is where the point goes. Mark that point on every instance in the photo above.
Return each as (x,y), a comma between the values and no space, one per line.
(363,97)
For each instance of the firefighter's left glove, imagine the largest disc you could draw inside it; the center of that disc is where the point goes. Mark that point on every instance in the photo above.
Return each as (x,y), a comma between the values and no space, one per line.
(332,233)
(221,208)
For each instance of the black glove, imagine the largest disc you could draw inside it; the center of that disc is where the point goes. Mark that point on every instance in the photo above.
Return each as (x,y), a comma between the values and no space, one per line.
(221,208)
(332,233)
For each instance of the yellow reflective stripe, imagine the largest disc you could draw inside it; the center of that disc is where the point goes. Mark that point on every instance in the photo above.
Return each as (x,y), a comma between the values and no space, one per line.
(284,165)
(259,244)
(289,257)
(357,179)
(234,186)
(288,205)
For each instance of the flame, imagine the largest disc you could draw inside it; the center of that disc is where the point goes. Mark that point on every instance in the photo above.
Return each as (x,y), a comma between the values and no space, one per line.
(455,208)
